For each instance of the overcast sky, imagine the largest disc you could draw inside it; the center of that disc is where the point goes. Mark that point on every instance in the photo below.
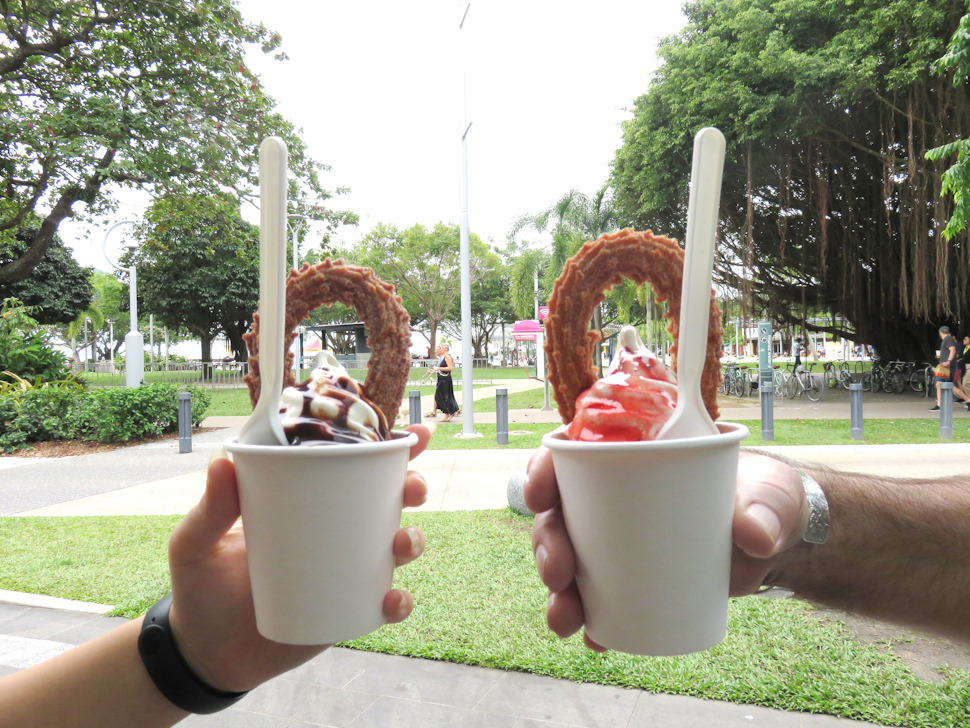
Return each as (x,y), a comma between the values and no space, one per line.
(377,89)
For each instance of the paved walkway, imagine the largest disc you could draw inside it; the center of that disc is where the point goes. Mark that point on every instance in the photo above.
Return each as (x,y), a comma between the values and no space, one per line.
(356,689)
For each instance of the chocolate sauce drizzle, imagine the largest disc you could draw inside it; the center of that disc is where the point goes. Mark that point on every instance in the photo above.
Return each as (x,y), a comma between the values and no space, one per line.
(308,430)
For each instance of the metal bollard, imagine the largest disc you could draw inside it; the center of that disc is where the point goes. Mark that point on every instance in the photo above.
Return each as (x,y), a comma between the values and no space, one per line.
(767,411)
(502,416)
(414,407)
(185,422)
(946,410)
(855,410)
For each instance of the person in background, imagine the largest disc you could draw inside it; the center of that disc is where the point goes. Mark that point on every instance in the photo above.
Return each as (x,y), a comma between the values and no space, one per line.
(960,371)
(104,682)
(444,393)
(947,357)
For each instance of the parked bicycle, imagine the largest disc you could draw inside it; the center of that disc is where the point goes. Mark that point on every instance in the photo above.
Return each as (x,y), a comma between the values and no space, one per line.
(804,382)
(890,378)
(734,381)
(922,379)
(837,373)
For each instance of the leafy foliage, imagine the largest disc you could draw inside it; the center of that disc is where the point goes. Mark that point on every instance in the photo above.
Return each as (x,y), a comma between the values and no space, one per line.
(956,179)
(101,94)
(58,289)
(828,201)
(424,265)
(66,411)
(198,267)
(24,349)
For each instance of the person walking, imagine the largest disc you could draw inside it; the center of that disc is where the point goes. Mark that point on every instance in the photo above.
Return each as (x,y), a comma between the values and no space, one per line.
(947,357)
(444,393)
(960,371)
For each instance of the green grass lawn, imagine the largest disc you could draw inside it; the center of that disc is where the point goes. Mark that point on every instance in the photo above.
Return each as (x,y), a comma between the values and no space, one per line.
(787,432)
(480,602)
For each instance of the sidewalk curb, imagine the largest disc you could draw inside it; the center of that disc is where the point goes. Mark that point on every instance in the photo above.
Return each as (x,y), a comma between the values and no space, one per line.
(24,599)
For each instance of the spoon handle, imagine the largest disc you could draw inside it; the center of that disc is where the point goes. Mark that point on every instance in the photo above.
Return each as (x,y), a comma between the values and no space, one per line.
(272,260)
(695,300)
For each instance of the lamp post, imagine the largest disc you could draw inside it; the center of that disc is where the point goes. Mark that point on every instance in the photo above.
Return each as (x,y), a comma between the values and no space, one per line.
(111,343)
(467,362)
(296,223)
(134,341)
(87,343)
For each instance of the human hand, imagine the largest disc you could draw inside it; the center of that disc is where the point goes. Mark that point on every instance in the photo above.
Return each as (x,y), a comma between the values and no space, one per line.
(770,517)
(212,612)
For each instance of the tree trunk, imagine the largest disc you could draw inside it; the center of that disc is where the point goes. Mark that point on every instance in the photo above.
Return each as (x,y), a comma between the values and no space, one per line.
(207,356)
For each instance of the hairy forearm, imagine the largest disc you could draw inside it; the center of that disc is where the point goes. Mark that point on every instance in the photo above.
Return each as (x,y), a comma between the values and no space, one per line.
(898,550)
(101,683)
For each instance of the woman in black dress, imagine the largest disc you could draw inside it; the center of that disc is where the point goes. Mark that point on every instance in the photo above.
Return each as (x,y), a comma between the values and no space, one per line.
(444,393)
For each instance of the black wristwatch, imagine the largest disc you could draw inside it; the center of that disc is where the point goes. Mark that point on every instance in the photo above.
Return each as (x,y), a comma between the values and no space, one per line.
(169,670)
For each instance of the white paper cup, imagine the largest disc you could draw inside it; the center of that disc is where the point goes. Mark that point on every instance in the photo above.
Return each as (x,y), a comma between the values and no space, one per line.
(319,525)
(651,526)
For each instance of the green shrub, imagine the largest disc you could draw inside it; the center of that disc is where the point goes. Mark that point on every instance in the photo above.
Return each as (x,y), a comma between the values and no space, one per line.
(12,438)
(201,399)
(49,413)
(36,414)
(24,349)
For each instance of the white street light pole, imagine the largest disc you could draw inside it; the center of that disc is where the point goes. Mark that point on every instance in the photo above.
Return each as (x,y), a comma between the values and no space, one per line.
(134,341)
(111,343)
(298,221)
(467,362)
(297,224)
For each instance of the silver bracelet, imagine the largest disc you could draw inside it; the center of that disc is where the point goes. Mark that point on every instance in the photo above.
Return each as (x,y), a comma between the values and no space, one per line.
(818,510)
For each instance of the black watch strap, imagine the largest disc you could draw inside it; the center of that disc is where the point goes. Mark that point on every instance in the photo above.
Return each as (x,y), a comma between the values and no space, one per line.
(169,670)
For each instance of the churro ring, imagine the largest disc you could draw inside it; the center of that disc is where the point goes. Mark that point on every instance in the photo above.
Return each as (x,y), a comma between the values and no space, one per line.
(599,265)
(379,308)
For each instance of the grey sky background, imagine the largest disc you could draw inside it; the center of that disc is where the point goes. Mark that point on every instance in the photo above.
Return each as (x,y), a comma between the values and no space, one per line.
(377,88)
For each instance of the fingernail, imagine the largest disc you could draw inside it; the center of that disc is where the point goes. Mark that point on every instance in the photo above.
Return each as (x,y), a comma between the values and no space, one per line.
(541,555)
(766,519)
(218,453)
(412,532)
(433,426)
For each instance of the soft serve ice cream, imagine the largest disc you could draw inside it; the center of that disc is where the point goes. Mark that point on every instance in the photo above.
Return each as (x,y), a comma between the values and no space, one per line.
(330,407)
(632,402)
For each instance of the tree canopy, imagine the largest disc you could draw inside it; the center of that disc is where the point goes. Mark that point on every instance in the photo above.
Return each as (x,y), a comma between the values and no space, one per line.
(956,179)
(829,204)
(423,265)
(100,94)
(198,268)
(58,291)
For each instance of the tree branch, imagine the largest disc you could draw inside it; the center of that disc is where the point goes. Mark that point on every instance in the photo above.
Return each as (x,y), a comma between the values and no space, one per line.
(21,268)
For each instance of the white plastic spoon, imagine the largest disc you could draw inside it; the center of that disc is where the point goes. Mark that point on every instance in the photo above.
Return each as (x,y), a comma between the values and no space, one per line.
(690,418)
(263,426)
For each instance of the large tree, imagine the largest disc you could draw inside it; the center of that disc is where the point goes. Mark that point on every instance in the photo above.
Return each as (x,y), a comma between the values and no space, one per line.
(198,268)
(100,94)
(490,305)
(956,179)
(424,266)
(829,205)
(58,291)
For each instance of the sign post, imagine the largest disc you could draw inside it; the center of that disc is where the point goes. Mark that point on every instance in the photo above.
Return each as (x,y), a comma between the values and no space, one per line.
(765,379)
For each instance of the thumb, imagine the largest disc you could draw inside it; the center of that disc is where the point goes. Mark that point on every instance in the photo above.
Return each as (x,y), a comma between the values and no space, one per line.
(209,520)
(771,513)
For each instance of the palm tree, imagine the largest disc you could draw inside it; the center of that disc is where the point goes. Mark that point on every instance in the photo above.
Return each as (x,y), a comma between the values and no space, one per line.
(574,219)
(566,238)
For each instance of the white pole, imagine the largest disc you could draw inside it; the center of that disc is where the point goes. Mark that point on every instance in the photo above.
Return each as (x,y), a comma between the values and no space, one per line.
(467,393)
(535,292)
(151,338)
(134,341)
